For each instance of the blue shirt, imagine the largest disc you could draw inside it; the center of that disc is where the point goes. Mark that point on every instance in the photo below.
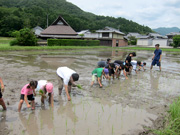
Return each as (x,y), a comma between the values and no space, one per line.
(157,54)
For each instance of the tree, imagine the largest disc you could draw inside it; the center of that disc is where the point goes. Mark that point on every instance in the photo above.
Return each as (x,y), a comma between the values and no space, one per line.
(24,37)
(132,40)
(176,41)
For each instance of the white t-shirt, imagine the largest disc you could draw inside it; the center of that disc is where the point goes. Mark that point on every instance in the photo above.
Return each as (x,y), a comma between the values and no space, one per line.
(41,84)
(65,73)
(134,64)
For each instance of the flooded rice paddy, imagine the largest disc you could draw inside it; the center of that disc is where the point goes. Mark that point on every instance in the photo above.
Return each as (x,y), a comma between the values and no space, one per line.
(120,107)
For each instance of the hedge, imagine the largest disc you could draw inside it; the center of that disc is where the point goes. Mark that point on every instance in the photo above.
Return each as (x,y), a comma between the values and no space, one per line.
(72,42)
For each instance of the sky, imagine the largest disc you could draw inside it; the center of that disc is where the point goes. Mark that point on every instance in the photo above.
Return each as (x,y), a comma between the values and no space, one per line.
(152,13)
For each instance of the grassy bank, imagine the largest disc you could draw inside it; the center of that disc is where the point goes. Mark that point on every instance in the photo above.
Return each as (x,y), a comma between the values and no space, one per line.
(172,126)
(5,46)
(152,49)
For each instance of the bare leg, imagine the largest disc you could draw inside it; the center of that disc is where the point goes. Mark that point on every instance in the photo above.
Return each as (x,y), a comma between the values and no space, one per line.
(33,104)
(92,83)
(151,67)
(20,105)
(160,68)
(2,103)
(42,99)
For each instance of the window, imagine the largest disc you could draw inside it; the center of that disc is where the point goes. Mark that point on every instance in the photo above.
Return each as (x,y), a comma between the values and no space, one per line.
(105,34)
(60,23)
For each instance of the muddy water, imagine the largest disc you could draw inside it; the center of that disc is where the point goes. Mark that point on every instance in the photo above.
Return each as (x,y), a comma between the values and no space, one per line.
(121,107)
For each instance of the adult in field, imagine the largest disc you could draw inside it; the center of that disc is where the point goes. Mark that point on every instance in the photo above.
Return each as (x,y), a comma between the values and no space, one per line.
(156,59)
(67,77)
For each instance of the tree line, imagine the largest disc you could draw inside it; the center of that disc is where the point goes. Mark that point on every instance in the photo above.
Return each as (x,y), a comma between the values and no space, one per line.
(18,14)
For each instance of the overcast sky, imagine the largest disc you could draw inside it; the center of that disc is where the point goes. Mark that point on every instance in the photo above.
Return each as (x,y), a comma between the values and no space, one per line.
(152,13)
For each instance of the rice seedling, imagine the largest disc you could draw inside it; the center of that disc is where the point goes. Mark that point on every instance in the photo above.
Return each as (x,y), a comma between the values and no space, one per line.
(66,124)
(112,130)
(79,86)
(109,118)
(102,107)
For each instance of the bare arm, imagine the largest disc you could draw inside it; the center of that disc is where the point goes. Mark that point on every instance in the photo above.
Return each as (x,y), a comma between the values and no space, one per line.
(124,72)
(153,57)
(52,100)
(67,93)
(26,101)
(160,58)
(2,85)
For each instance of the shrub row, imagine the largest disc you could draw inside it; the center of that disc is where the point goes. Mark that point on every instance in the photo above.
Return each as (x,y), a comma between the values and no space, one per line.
(72,42)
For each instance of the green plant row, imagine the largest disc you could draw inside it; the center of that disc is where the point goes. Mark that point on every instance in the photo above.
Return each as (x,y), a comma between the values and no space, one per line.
(72,42)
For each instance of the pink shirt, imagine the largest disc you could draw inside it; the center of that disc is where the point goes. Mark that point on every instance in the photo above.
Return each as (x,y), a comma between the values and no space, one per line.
(26,91)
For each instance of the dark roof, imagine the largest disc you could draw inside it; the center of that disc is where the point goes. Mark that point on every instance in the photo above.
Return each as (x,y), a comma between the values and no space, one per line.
(59,27)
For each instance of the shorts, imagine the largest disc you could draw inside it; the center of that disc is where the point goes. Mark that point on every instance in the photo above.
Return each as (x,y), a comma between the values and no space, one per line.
(93,77)
(0,93)
(30,97)
(61,83)
(111,72)
(156,62)
(127,69)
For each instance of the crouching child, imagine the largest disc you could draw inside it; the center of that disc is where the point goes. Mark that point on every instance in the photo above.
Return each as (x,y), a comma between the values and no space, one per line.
(97,73)
(44,87)
(28,93)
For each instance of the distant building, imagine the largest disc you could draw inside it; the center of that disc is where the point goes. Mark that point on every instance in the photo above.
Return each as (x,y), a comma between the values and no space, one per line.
(37,30)
(88,35)
(171,35)
(59,29)
(111,37)
(133,34)
(152,39)
(107,36)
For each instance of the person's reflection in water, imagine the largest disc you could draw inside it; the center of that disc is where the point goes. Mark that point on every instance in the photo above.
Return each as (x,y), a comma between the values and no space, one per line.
(30,123)
(46,117)
(154,78)
(67,109)
(3,129)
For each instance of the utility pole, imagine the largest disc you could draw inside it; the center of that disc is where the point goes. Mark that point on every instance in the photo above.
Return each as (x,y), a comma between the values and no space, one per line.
(47,20)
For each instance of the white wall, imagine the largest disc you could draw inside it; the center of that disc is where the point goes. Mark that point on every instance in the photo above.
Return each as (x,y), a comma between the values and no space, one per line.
(91,35)
(144,42)
(161,42)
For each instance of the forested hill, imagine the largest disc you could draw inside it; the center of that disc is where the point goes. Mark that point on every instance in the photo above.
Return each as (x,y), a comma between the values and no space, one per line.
(16,14)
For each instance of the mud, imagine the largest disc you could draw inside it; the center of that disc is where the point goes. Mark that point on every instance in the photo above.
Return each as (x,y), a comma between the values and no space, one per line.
(121,107)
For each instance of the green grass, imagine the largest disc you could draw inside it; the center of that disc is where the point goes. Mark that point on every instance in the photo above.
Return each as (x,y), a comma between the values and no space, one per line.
(5,46)
(172,126)
(152,49)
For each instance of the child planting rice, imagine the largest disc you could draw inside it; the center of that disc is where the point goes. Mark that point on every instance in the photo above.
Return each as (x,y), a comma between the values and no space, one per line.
(27,94)
(97,73)
(44,87)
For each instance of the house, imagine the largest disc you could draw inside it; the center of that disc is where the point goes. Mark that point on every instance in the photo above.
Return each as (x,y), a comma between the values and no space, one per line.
(152,39)
(37,30)
(171,35)
(144,41)
(111,37)
(88,35)
(133,34)
(59,29)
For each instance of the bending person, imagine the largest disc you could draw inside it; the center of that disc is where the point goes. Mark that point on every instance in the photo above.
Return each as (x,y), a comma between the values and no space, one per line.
(67,77)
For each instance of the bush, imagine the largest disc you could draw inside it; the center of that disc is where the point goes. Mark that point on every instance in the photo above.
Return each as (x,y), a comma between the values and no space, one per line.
(132,41)
(13,42)
(24,37)
(72,42)
(176,41)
